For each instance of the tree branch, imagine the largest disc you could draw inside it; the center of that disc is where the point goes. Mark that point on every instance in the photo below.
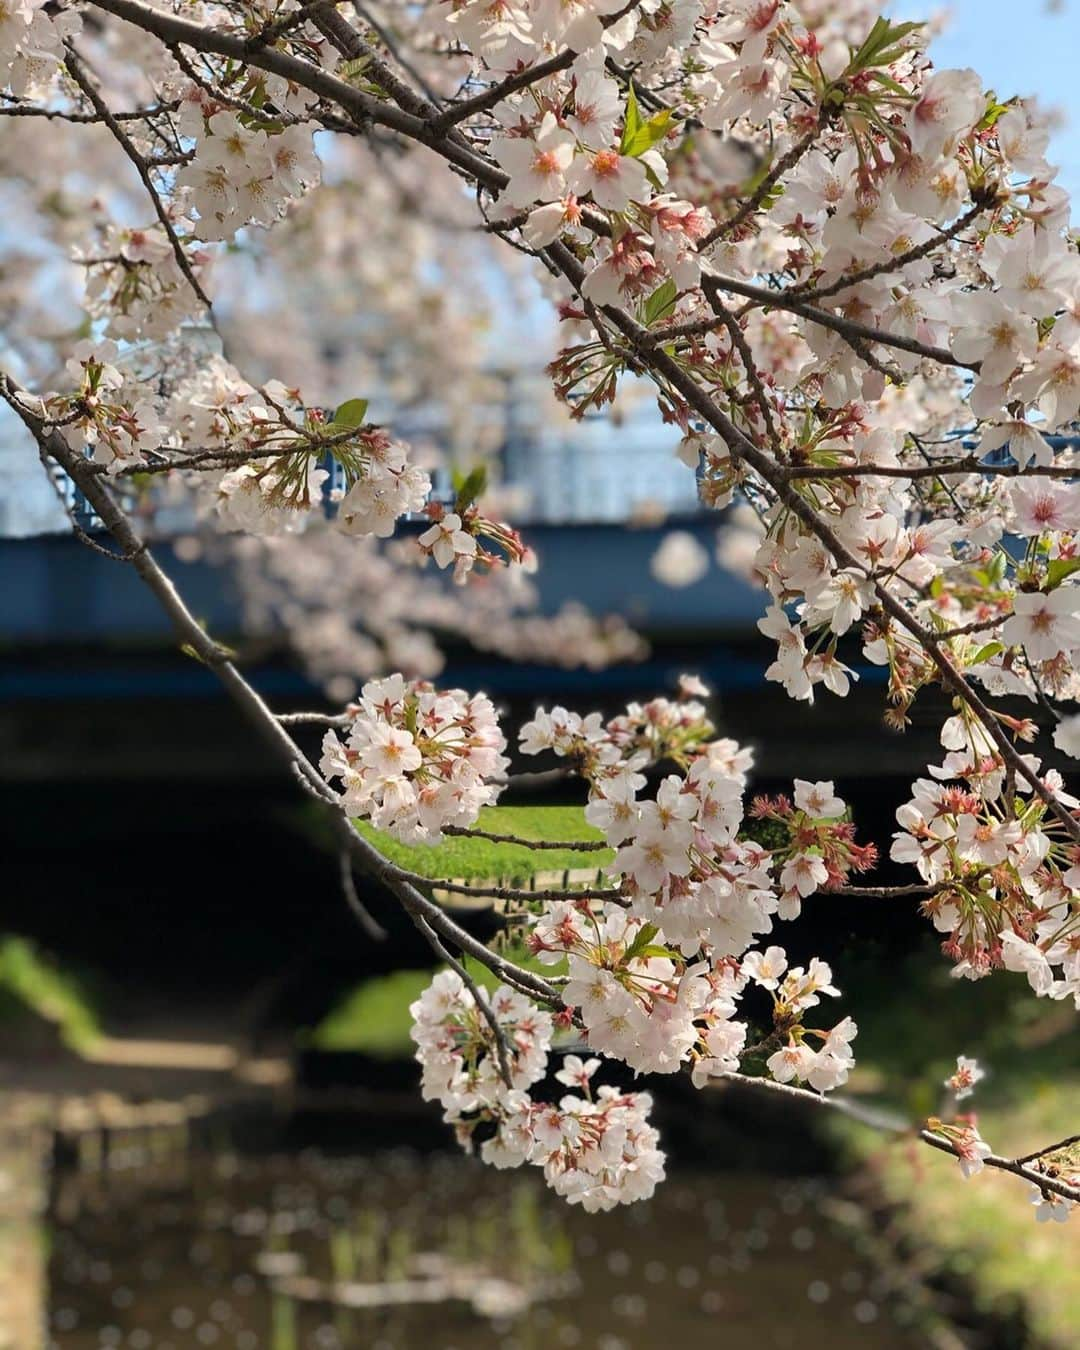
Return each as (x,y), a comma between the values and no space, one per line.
(86,84)
(575,845)
(1015,1166)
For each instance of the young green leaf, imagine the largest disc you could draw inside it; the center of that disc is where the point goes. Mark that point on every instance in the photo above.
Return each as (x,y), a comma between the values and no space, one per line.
(631,122)
(469,488)
(639,136)
(985,653)
(660,304)
(1060,568)
(352,413)
(884,44)
(643,940)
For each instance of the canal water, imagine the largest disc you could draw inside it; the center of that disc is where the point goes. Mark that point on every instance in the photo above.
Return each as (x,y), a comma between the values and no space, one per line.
(396,1249)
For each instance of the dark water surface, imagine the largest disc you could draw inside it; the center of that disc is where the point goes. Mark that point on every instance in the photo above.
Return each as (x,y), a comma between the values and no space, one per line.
(191,1252)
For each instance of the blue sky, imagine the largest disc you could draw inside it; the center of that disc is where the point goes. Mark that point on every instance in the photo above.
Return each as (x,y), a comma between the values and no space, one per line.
(1018,47)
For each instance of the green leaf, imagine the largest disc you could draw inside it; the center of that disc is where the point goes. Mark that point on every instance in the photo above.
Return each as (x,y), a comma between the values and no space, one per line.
(639,136)
(352,413)
(883,45)
(994,110)
(642,941)
(660,304)
(632,122)
(887,82)
(985,653)
(469,488)
(655,950)
(993,574)
(350,70)
(1060,568)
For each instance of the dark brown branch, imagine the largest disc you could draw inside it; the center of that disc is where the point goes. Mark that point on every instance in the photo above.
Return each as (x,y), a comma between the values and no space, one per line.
(479,998)
(577,845)
(1050,1148)
(81,119)
(886,892)
(362,914)
(828,1101)
(740,447)
(786,162)
(194,639)
(940,468)
(849,329)
(893,264)
(522,79)
(1016,1166)
(753,375)
(363,108)
(493,892)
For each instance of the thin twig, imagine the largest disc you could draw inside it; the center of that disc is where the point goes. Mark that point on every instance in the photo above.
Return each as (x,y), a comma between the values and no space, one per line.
(886,892)
(849,329)
(891,264)
(913,472)
(495,892)
(522,79)
(1015,1166)
(83,80)
(363,915)
(576,845)
(664,368)
(786,161)
(1050,1148)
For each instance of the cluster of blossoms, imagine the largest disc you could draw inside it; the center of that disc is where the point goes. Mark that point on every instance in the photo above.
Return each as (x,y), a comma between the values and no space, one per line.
(32,45)
(108,410)
(662,729)
(972,1150)
(1004,881)
(645,1004)
(283,446)
(597,1149)
(462,1068)
(882,162)
(851,278)
(135,285)
(464,537)
(1020,616)
(241,172)
(656,975)
(813,842)
(679,861)
(416,759)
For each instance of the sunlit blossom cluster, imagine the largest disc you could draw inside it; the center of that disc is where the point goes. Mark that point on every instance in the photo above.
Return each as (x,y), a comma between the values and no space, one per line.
(416,759)
(596,1148)
(850,277)
(1004,882)
(108,410)
(135,285)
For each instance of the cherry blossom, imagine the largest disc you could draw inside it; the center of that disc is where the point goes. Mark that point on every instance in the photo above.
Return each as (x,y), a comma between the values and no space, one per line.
(962,1083)
(850,278)
(416,759)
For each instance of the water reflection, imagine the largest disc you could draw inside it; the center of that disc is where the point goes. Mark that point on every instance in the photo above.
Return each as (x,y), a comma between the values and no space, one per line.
(399,1250)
